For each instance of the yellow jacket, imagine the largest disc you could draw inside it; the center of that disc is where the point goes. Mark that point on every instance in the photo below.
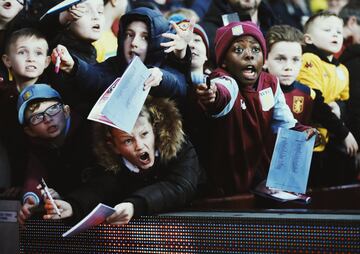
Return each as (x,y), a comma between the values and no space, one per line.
(106,46)
(331,80)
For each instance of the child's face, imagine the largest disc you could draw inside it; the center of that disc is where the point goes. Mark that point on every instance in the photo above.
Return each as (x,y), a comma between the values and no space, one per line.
(9,9)
(284,61)
(137,147)
(136,40)
(27,58)
(50,118)
(90,25)
(244,60)
(198,52)
(326,33)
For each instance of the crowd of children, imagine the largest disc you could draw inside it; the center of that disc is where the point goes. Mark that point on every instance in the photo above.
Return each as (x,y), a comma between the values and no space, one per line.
(209,125)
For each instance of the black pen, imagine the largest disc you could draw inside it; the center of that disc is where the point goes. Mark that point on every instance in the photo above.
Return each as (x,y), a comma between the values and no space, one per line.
(207,79)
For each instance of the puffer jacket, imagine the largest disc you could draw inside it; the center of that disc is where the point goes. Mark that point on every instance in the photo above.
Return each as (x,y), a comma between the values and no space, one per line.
(169,184)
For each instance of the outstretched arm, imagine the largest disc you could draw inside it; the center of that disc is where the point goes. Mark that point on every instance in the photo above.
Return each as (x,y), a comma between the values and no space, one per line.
(180,40)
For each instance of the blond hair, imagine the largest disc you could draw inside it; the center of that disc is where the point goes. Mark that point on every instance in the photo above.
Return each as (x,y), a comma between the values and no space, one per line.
(322,14)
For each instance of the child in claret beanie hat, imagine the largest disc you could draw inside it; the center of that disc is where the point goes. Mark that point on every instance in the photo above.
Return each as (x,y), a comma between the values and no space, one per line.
(226,34)
(247,107)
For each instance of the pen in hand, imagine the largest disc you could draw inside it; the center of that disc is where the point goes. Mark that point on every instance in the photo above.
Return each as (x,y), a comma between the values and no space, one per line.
(47,192)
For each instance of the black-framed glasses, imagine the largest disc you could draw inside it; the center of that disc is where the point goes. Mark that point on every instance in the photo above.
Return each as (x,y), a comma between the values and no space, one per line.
(50,111)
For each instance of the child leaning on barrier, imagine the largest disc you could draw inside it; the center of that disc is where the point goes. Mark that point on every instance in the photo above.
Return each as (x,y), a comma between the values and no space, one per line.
(247,107)
(150,170)
(59,145)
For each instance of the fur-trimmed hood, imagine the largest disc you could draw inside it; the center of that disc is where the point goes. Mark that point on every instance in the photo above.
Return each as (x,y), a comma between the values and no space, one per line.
(167,125)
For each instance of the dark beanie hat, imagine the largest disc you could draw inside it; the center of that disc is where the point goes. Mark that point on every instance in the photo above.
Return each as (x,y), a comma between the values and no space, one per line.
(201,32)
(226,34)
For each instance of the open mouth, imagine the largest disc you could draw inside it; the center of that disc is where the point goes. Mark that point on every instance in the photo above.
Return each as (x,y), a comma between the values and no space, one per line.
(194,54)
(96,27)
(30,68)
(249,72)
(7,5)
(52,129)
(145,157)
(132,54)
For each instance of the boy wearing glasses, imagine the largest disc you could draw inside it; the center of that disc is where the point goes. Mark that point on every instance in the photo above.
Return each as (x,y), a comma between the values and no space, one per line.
(58,145)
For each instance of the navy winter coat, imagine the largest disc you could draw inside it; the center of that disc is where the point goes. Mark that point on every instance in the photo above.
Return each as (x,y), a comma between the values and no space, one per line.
(96,78)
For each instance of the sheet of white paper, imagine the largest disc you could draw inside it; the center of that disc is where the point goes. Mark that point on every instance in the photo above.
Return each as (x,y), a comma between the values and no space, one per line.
(61,7)
(290,163)
(127,99)
(95,113)
(94,218)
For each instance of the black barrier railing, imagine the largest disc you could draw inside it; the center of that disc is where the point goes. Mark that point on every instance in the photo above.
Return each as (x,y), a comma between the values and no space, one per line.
(203,232)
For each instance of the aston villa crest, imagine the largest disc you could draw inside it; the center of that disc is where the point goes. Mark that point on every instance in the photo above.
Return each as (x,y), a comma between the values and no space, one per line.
(298,104)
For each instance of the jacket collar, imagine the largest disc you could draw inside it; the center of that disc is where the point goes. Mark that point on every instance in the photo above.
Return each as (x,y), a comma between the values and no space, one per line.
(310,48)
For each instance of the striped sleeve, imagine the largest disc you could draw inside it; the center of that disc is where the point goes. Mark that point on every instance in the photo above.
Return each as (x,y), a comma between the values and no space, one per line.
(227,93)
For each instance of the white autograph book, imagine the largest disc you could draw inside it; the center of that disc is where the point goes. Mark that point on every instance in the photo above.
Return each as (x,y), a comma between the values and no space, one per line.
(94,218)
(119,106)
